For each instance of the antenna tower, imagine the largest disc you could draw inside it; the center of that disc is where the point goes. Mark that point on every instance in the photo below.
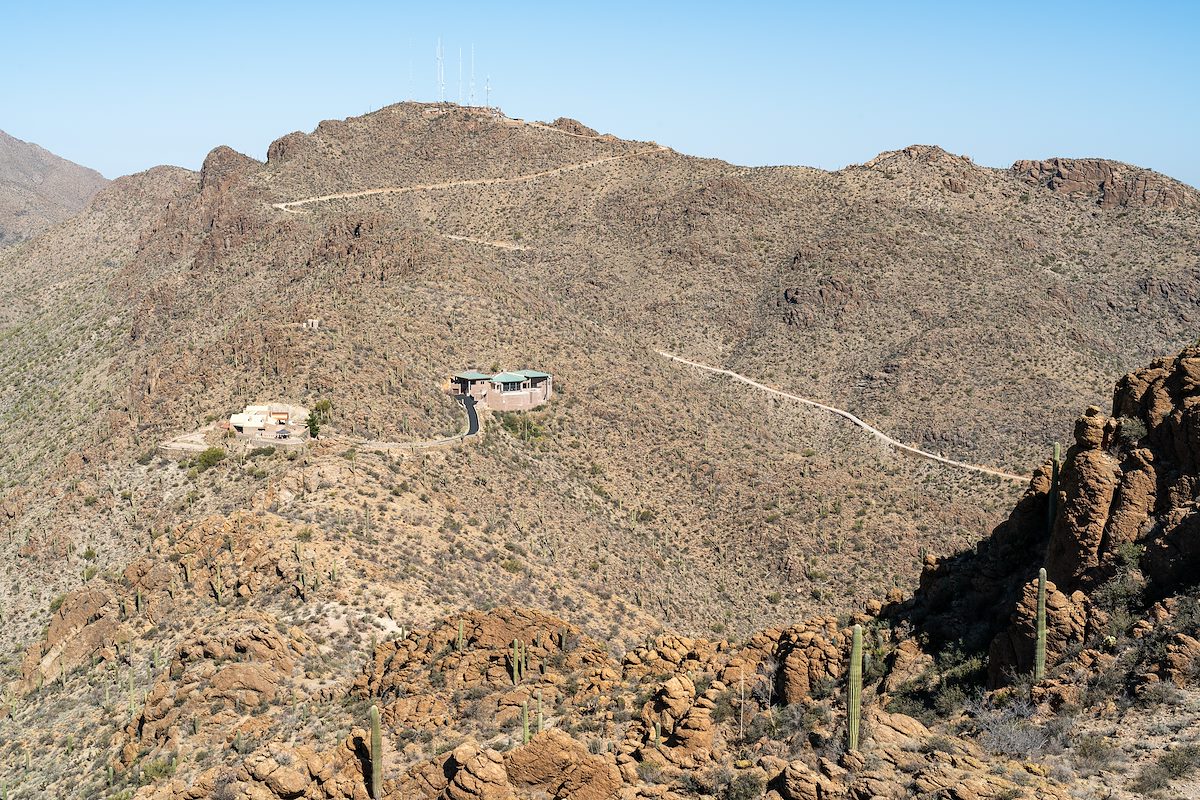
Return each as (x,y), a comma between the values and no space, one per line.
(441,73)
(471,95)
(460,76)
(488,90)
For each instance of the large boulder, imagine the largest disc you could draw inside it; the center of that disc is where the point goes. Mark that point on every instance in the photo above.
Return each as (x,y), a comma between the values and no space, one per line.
(561,767)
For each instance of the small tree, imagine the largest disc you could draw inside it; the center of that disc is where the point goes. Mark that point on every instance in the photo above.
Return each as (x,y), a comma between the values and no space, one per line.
(314,426)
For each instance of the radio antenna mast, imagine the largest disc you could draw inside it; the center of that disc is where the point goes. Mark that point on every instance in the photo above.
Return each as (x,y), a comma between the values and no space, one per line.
(460,76)
(441,73)
(488,89)
(471,95)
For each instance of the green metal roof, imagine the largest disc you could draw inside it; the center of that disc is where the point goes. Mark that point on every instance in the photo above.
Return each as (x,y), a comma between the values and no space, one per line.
(533,373)
(508,377)
(471,375)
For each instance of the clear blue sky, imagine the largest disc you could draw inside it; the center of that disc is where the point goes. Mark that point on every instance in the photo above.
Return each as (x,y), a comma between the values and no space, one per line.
(124,86)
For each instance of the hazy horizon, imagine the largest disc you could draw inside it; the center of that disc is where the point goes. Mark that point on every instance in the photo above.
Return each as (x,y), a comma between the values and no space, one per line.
(127,88)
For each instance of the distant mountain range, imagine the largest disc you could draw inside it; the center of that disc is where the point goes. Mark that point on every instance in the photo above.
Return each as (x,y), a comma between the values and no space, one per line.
(39,189)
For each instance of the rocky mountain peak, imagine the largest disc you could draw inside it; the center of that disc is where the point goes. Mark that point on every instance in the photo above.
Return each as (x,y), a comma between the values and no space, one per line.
(1110,184)
(918,153)
(222,164)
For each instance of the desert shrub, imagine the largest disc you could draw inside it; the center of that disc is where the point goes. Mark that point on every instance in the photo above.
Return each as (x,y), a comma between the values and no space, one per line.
(938,744)
(822,687)
(1182,761)
(224,788)
(723,707)
(1151,778)
(1010,730)
(1091,753)
(157,769)
(1130,430)
(649,771)
(910,701)
(799,719)
(209,459)
(1119,596)
(743,787)
(1159,693)
(948,699)
(959,676)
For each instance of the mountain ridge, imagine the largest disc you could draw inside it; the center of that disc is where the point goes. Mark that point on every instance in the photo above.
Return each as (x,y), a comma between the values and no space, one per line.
(39,189)
(180,293)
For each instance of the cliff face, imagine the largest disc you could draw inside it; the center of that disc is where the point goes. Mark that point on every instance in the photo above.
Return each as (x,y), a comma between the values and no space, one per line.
(1111,183)
(1125,539)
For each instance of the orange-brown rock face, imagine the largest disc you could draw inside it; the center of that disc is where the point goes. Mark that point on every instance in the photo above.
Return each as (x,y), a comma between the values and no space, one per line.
(1127,506)
(1067,623)
(1110,183)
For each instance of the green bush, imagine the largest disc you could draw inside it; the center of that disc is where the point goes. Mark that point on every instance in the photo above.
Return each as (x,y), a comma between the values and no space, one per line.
(1130,430)
(209,459)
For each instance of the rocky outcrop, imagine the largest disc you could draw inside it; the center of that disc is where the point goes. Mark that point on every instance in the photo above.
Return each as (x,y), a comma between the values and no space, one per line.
(87,622)
(224,165)
(676,725)
(1127,510)
(1068,622)
(561,767)
(1110,184)
(573,126)
(213,679)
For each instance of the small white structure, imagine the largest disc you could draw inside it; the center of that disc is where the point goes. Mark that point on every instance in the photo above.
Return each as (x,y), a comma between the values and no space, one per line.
(258,419)
(253,419)
(312,324)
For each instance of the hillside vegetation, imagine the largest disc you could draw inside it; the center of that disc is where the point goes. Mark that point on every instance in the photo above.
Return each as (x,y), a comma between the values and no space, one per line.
(650,534)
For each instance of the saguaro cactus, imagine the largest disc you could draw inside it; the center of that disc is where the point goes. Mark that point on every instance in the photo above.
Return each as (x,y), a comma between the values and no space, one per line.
(459,644)
(132,693)
(520,661)
(376,755)
(218,585)
(525,722)
(1039,652)
(854,689)
(1052,504)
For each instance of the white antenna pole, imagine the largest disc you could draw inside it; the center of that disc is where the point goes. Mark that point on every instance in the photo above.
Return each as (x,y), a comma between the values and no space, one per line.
(488,89)
(460,76)
(471,96)
(441,73)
